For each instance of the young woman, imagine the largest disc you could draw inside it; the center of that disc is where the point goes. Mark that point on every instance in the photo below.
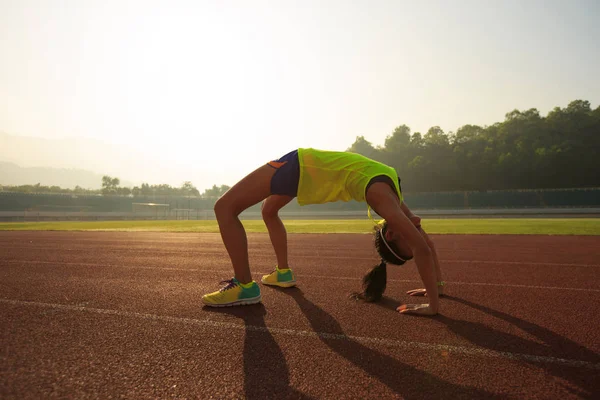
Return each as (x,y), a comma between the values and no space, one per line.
(316,177)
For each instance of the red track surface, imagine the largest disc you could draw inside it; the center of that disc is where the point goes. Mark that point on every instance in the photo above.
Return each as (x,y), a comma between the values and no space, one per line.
(118,315)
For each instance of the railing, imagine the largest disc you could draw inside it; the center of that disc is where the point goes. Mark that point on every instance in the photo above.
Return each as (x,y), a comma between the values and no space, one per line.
(39,216)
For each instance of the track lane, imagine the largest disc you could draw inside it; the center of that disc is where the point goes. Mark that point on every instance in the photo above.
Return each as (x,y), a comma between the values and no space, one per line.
(492,334)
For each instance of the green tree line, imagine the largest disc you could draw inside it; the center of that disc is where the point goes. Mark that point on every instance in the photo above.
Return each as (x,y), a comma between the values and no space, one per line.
(110,187)
(525,151)
(39,188)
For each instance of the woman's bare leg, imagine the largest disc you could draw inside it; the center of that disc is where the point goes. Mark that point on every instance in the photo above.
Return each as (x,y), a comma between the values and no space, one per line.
(249,191)
(277,232)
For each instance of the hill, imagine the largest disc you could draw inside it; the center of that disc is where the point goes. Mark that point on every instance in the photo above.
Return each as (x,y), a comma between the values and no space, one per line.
(12,174)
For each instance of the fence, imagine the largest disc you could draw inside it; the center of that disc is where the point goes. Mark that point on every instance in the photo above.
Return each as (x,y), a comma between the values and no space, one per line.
(176,207)
(41,216)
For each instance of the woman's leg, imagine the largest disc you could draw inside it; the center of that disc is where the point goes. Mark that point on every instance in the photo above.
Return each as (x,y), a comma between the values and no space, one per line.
(277,232)
(249,191)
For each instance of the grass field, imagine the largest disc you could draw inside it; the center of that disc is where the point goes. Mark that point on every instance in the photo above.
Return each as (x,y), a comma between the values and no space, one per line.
(533,226)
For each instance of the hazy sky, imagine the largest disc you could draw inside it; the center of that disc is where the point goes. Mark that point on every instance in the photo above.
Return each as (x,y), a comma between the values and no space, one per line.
(219,87)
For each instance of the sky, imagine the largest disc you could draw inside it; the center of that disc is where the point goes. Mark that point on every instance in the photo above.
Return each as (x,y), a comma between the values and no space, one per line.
(207,91)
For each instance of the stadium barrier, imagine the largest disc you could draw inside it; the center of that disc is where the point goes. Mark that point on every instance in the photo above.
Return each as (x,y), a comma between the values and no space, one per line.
(97,207)
(41,216)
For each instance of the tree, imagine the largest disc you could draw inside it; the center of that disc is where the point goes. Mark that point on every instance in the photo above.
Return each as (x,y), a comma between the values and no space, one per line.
(187,189)
(145,190)
(124,191)
(467,133)
(435,136)
(215,191)
(110,185)
(398,140)
(362,146)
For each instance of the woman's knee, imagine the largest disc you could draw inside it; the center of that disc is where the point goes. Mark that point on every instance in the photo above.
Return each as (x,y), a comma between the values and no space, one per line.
(223,207)
(268,211)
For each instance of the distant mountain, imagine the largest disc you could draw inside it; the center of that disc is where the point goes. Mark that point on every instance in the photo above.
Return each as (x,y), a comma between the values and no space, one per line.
(14,175)
(77,153)
(85,154)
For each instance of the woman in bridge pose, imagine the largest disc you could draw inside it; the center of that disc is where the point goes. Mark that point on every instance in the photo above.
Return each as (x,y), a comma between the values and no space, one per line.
(316,177)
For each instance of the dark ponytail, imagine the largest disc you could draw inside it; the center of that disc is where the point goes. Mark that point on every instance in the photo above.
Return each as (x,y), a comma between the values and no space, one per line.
(374,283)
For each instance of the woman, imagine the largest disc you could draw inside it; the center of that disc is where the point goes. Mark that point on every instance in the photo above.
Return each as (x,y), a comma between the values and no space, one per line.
(316,177)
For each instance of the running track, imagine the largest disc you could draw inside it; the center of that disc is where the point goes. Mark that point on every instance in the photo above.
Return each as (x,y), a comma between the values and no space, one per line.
(118,315)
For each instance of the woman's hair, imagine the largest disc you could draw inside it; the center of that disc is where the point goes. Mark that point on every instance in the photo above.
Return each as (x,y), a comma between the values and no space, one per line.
(374,282)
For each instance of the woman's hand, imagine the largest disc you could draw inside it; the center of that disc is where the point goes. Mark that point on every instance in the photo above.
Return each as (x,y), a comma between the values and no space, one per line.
(419,309)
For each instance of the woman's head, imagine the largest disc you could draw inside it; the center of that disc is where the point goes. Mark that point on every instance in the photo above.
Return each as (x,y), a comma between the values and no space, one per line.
(392,250)
(391,246)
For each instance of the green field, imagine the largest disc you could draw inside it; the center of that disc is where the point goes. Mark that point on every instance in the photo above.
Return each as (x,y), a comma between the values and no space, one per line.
(533,226)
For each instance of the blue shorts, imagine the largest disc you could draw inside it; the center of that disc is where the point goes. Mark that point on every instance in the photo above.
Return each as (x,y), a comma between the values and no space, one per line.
(286,178)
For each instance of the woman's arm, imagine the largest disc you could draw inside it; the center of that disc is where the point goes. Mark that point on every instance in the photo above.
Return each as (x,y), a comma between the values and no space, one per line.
(438,272)
(386,203)
(416,220)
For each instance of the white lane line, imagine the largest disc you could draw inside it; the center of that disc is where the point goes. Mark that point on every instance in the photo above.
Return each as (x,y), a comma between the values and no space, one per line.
(463,261)
(522,286)
(344,278)
(25,262)
(473,351)
(518,263)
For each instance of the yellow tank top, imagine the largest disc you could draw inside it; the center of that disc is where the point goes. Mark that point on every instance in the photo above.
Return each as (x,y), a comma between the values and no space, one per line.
(328,176)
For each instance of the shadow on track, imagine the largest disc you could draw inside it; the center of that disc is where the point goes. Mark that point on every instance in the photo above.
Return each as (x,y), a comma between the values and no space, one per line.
(586,382)
(403,379)
(266,375)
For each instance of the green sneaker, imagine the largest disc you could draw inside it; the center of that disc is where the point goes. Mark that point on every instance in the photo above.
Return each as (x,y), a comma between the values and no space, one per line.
(233,294)
(280,277)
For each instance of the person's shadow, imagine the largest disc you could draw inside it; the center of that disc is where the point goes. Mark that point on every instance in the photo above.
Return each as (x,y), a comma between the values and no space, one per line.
(587,384)
(266,375)
(484,336)
(404,380)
